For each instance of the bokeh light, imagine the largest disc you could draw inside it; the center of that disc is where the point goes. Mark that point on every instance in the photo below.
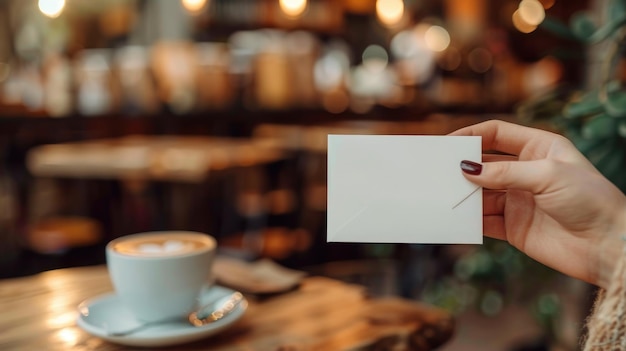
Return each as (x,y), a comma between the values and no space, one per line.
(414,60)
(329,71)
(531,12)
(543,75)
(375,58)
(480,60)
(404,44)
(193,5)
(368,86)
(293,8)
(522,25)
(390,12)
(68,337)
(51,8)
(437,38)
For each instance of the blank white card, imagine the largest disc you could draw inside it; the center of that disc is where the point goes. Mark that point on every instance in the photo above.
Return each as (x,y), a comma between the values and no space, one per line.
(403,189)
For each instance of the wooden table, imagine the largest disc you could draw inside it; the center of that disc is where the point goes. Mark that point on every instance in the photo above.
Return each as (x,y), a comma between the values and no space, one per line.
(180,167)
(38,313)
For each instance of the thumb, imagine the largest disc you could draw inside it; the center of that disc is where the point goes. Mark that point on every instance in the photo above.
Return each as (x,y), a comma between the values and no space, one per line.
(533,176)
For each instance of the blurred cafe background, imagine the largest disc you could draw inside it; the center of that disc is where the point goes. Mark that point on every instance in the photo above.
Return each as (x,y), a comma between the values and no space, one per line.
(121,116)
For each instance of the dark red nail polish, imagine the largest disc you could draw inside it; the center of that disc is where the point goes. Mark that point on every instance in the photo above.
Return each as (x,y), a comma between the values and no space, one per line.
(470,167)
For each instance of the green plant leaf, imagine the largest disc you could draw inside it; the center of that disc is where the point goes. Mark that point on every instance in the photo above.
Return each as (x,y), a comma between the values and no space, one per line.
(545,105)
(613,165)
(558,28)
(616,10)
(583,106)
(607,154)
(585,146)
(600,127)
(582,26)
(621,129)
(609,29)
(602,150)
(615,105)
(611,162)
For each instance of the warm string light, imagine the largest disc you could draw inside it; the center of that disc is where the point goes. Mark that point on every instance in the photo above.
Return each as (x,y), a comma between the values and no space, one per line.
(414,44)
(293,8)
(193,5)
(529,15)
(390,12)
(51,8)
(522,25)
(532,12)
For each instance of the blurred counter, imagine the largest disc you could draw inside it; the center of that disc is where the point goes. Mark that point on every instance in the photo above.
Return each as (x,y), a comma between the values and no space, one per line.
(171,158)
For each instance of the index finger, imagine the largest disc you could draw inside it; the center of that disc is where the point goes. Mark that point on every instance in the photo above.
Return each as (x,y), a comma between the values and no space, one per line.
(508,137)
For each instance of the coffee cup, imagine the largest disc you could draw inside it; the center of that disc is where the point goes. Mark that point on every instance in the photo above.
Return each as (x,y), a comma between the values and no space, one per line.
(160,275)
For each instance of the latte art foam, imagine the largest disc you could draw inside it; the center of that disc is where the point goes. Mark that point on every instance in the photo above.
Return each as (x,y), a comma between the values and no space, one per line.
(160,245)
(170,246)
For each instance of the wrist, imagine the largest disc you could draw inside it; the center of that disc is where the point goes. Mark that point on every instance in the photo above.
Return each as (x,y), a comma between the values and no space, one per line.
(609,252)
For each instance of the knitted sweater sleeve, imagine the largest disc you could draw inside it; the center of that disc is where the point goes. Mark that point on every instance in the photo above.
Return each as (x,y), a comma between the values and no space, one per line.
(606,326)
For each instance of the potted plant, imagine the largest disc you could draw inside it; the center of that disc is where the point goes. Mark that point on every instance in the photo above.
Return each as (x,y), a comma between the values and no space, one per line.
(592,117)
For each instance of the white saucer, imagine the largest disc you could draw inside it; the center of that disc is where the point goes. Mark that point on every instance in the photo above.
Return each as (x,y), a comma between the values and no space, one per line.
(98,314)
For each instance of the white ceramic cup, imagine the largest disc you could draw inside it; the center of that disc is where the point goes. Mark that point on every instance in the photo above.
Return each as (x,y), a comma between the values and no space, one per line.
(160,275)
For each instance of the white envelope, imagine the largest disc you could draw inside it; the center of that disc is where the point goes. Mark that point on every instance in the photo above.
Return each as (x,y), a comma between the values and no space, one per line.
(403,189)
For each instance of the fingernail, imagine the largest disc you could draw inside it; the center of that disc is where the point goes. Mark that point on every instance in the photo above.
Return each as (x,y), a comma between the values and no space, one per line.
(470,167)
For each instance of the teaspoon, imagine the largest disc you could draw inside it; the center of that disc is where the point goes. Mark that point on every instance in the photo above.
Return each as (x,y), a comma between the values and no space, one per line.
(206,314)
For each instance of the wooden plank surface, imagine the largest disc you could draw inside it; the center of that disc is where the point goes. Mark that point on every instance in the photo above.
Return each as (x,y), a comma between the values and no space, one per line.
(38,313)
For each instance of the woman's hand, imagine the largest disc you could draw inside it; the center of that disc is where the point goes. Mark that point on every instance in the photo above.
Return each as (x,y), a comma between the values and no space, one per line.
(548,200)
